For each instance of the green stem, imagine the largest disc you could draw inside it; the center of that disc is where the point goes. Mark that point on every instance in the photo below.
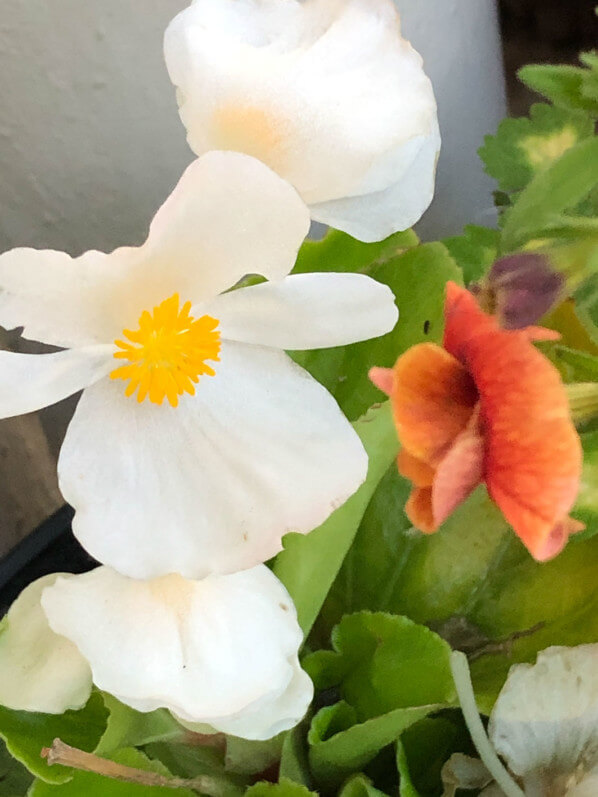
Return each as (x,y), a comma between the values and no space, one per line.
(462,678)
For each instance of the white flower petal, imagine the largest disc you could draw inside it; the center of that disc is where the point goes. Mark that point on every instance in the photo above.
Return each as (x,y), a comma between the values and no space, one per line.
(375,216)
(545,721)
(61,300)
(202,649)
(39,670)
(327,93)
(268,716)
(306,311)
(228,216)
(29,382)
(213,485)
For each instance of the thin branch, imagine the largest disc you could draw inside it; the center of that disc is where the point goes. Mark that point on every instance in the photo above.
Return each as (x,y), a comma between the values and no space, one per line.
(67,756)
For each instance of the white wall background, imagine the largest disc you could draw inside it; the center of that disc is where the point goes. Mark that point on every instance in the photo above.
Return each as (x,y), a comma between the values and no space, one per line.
(91,143)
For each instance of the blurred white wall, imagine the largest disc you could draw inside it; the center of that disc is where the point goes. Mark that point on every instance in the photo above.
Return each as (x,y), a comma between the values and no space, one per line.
(460,43)
(91,143)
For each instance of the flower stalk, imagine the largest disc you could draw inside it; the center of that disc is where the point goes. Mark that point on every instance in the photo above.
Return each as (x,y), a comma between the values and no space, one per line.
(67,756)
(463,685)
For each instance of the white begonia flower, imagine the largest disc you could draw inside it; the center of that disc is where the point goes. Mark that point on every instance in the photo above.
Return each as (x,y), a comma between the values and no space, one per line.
(258,448)
(222,651)
(545,722)
(544,725)
(326,92)
(39,670)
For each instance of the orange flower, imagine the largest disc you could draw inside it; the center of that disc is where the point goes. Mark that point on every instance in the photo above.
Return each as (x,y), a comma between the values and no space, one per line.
(488,407)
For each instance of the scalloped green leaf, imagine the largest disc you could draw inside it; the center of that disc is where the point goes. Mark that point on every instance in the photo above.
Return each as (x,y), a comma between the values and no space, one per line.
(26,733)
(383,662)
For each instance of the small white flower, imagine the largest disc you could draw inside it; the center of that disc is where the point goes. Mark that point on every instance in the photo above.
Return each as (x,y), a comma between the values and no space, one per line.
(221,652)
(544,725)
(326,92)
(252,447)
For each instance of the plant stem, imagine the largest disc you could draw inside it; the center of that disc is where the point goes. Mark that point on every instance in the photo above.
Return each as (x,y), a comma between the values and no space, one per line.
(462,678)
(67,756)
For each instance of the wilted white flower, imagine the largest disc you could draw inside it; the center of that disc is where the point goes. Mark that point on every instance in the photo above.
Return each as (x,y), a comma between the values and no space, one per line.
(252,447)
(544,725)
(222,651)
(326,92)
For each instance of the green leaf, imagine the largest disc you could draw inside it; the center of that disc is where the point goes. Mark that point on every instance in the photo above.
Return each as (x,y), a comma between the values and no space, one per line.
(285,788)
(523,148)
(586,506)
(474,251)
(338,251)
(193,760)
(406,787)
(571,87)
(561,186)
(129,728)
(418,279)
(573,365)
(26,733)
(246,757)
(384,662)
(309,564)
(335,755)
(360,786)
(422,751)
(91,785)
(293,761)
(14,778)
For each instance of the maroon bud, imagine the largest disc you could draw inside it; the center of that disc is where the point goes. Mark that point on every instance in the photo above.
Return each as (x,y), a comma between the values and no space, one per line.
(520,289)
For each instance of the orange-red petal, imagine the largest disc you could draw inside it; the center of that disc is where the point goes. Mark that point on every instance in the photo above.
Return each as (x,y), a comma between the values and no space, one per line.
(533,453)
(419,510)
(433,398)
(418,472)
(459,472)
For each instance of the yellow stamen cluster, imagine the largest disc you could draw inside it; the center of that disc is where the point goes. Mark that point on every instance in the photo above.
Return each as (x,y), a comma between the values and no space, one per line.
(168,353)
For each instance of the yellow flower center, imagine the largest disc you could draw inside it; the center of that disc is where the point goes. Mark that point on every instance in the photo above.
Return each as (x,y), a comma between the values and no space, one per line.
(168,353)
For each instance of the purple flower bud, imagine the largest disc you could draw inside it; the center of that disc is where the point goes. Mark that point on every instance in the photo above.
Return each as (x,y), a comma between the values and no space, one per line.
(520,289)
